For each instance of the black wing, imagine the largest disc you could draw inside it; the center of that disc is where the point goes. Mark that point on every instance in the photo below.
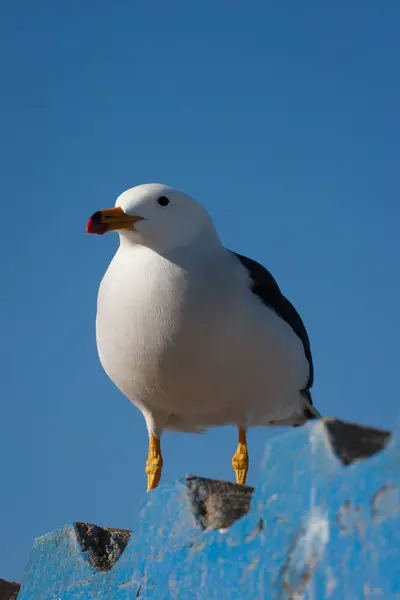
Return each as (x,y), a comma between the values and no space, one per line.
(265,286)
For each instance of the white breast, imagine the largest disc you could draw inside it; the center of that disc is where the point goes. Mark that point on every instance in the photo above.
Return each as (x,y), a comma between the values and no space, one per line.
(191,342)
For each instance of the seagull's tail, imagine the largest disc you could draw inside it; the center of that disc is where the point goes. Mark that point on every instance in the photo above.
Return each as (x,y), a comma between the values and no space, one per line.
(309,410)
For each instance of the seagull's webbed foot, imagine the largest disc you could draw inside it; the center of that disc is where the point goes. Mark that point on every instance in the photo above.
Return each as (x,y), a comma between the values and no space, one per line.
(154,463)
(240,460)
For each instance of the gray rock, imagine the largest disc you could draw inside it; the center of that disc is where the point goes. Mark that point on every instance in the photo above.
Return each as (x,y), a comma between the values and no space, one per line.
(102,545)
(218,504)
(352,443)
(8,589)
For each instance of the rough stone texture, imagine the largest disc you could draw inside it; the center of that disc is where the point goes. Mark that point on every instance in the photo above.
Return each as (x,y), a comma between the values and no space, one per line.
(322,522)
(218,504)
(8,589)
(352,443)
(102,545)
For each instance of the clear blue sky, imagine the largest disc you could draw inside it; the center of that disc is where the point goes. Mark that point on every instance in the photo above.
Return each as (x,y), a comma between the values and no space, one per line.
(282,118)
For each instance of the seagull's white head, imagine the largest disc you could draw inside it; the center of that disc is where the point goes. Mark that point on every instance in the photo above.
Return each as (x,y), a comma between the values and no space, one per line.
(156,216)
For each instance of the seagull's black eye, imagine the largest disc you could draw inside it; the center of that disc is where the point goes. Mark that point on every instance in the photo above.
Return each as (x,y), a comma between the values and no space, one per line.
(163,201)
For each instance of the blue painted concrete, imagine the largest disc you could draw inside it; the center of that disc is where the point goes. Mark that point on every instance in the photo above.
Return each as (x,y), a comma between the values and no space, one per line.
(316,530)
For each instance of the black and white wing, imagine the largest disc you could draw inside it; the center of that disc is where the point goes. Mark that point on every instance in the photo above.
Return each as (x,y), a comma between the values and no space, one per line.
(265,286)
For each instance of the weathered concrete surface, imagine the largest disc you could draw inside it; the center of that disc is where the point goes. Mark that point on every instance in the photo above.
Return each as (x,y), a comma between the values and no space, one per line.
(324,522)
(8,589)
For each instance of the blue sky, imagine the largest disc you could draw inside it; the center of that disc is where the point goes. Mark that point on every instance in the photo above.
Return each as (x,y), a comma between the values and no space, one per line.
(280,117)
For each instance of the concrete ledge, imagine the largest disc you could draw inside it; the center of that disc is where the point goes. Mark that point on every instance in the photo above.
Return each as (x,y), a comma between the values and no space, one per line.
(323,521)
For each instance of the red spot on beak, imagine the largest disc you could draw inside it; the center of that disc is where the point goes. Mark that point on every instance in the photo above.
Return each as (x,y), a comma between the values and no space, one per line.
(96,225)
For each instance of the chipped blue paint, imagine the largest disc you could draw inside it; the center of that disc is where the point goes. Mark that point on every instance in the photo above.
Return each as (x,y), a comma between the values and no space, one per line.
(316,529)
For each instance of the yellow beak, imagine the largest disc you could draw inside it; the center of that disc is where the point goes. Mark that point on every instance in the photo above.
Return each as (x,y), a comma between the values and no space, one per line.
(110,219)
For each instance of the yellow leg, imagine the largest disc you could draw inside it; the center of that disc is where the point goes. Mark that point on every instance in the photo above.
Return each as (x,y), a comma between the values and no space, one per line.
(240,460)
(154,463)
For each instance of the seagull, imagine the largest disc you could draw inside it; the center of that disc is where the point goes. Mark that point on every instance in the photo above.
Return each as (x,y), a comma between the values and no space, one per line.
(195,335)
